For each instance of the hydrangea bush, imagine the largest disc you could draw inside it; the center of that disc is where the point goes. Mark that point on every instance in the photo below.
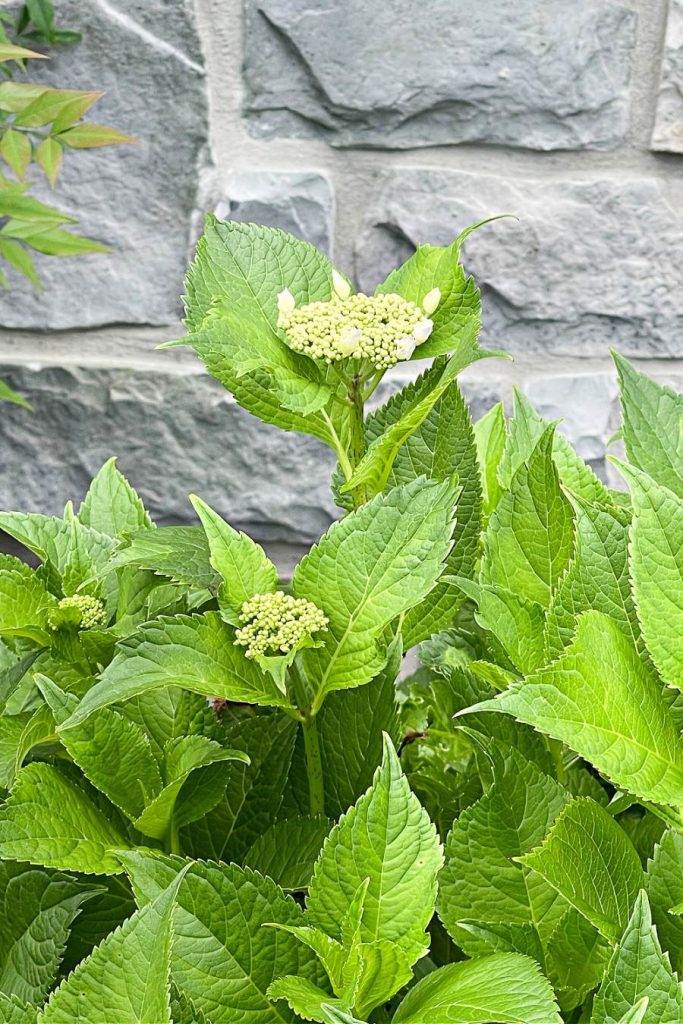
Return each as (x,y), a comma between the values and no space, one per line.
(225,803)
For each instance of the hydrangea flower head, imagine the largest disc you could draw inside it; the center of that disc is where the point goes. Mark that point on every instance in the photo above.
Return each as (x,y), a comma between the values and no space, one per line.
(276,623)
(79,610)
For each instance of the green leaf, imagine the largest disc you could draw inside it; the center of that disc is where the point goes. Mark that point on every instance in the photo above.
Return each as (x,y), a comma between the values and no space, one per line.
(37,909)
(8,395)
(653,426)
(15,1011)
(639,969)
(505,987)
(592,863)
(48,819)
(180,553)
(228,907)
(111,506)
(605,703)
(16,96)
(49,155)
(56,106)
(597,577)
(127,978)
(636,1014)
(25,605)
(304,998)
(657,570)
(490,433)
(575,960)
(457,318)
(288,851)
(15,149)
(529,538)
(19,258)
(10,52)
(167,715)
(193,651)
(664,884)
(56,242)
(517,624)
(387,838)
(240,561)
(91,136)
(109,907)
(368,569)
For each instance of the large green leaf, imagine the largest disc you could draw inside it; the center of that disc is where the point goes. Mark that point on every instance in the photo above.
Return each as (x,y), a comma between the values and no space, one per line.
(37,909)
(16,1011)
(482,880)
(168,714)
(196,652)
(111,506)
(664,884)
(224,959)
(180,553)
(653,426)
(304,998)
(368,569)
(287,852)
(387,838)
(605,702)
(25,604)
(592,863)
(502,987)
(517,623)
(529,538)
(657,570)
(638,968)
(49,819)
(126,979)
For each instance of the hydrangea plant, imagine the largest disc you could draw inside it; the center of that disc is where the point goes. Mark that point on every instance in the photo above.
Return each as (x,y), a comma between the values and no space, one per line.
(224,800)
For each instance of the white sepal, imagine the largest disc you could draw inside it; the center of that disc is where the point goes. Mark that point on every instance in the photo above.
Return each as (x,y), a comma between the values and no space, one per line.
(286,303)
(342,288)
(405,347)
(431,301)
(422,330)
(349,339)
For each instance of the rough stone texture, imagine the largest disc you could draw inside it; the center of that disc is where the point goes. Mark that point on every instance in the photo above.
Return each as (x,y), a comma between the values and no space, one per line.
(550,75)
(668,128)
(298,202)
(138,199)
(588,265)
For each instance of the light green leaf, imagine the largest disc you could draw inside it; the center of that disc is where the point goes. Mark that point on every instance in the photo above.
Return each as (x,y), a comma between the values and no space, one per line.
(605,703)
(388,838)
(367,570)
(193,651)
(7,394)
(575,960)
(636,1014)
(664,884)
(597,577)
(180,553)
(287,852)
(165,715)
(37,909)
(653,426)
(9,51)
(482,880)
(21,259)
(517,624)
(240,561)
(490,433)
(111,506)
(504,987)
(15,1011)
(657,570)
(304,998)
(529,538)
(638,969)
(592,863)
(226,908)
(90,136)
(25,604)
(110,906)
(49,155)
(51,820)
(126,979)
(15,150)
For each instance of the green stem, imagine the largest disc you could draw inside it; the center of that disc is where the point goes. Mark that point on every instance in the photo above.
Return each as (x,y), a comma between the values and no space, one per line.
(359,494)
(314,767)
(173,838)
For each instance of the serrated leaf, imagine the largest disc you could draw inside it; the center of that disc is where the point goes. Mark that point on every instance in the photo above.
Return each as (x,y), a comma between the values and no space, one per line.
(16,1011)
(37,909)
(638,969)
(575,960)
(664,884)
(597,577)
(50,820)
(195,652)
(228,907)
(167,715)
(180,553)
(490,433)
(529,538)
(108,908)
(287,852)
(517,623)
(653,426)
(126,978)
(605,703)
(240,562)
(482,880)
(657,570)
(304,998)
(388,838)
(636,1014)
(111,506)
(592,863)
(25,604)
(504,986)
(368,569)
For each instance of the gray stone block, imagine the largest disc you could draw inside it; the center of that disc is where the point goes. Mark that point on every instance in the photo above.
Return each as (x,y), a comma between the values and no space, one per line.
(587,265)
(541,76)
(667,134)
(138,199)
(299,202)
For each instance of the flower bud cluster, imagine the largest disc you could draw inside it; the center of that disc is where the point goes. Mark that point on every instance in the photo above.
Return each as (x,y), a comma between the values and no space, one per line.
(381,328)
(80,610)
(276,623)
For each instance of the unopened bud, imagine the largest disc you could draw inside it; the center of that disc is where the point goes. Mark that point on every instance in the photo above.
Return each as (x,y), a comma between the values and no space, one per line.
(286,303)
(431,301)
(422,331)
(341,286)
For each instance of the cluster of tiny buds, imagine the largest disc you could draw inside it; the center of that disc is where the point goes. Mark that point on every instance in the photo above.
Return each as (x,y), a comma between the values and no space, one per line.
(276,623)
(90,611)
(381,328)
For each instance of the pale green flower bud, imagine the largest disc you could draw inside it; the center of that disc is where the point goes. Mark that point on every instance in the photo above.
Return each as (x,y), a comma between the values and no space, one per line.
(276,623)
(79,610)
(341,286)
(431,301)
(349,340)
(286,303)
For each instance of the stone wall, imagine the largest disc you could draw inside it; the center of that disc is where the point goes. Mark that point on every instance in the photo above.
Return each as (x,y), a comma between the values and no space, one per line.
(366,126)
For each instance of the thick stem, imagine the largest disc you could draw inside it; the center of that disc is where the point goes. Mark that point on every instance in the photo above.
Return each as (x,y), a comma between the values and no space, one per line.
(359,494)
(173,837)
(314,767)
